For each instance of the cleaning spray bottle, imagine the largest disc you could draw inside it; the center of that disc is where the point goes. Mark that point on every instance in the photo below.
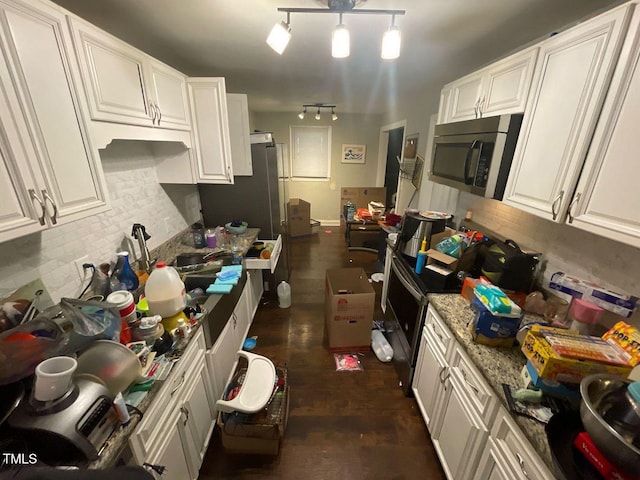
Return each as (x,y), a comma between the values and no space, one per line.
(422,256)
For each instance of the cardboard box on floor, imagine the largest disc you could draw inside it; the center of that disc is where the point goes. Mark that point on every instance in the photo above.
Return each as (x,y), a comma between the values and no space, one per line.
(348,309)
(298,217)
(360,197)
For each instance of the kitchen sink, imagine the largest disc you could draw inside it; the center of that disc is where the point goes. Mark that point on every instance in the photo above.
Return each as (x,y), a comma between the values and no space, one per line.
(198,271)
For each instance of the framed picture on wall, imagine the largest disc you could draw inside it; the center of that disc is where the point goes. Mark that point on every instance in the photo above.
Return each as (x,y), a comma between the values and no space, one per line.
(353,153)
(411,146)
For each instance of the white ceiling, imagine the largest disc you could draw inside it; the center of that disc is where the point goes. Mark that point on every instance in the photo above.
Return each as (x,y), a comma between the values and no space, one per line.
(442,40)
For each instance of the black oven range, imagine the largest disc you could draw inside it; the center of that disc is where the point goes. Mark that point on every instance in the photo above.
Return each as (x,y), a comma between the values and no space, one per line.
(406,307)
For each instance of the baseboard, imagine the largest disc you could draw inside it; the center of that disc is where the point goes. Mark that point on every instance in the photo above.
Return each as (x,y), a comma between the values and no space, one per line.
(329,223)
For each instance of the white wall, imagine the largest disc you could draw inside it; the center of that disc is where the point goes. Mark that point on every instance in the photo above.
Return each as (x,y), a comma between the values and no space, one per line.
(324,196)
(136,197)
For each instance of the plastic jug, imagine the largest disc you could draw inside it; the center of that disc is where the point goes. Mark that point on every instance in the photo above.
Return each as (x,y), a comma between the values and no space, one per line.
(381,346)
(164,291)
(284,295)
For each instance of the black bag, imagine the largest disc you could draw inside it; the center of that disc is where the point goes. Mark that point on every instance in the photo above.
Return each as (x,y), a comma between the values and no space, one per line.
(508,267)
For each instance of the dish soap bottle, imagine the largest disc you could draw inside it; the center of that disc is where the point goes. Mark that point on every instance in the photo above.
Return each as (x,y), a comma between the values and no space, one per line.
(127,277)
(422,256)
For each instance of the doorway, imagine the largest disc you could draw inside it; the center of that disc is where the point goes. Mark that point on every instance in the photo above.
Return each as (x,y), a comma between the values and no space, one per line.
(392,169)
(390,149)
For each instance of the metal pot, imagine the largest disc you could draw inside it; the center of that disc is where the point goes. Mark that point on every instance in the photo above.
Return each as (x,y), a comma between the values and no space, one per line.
(622,450)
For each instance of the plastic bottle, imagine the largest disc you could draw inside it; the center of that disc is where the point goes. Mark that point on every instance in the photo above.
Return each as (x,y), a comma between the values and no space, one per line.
(164,291)
(450,246)
(284,295)
(127,277)
(422,256)
(381,346)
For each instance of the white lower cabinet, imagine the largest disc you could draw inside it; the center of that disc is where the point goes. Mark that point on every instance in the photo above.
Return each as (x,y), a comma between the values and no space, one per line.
(222,357)
(177,426)
(474,436)
(514,453)
(459,435)
(171,455)
(428,380)
(254,280)
(492,466)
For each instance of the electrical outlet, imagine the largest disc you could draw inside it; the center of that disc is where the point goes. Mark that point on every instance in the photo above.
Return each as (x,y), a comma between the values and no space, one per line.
(78,263)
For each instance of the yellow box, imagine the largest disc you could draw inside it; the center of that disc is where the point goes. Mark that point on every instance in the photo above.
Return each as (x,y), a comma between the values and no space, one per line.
(627,337)
(550,365)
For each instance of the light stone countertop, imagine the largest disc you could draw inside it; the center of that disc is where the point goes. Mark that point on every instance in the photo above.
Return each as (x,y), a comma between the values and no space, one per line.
(498,365)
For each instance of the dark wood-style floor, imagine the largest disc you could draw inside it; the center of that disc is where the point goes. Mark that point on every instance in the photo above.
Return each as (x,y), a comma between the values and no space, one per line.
(342,425)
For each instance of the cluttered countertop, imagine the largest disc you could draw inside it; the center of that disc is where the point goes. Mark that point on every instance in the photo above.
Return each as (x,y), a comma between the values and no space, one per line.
(135,368)
(498,365)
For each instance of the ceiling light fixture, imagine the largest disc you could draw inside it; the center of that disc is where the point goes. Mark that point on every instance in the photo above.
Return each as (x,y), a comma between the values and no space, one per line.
(280,35)
(391,41)
(318,107)
(340,37)
(340,41)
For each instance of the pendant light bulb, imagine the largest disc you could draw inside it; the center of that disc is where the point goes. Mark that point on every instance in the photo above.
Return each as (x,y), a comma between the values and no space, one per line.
(279,37)
(391,43)
(302,113)
(318,114)
(334,117)
(340,41)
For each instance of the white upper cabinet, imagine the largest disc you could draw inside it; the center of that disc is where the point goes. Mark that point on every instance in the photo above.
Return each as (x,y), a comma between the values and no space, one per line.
(208,103)
(124,85)
(571,78)
(239,132)
(607,196)
(49,173)
(498,89)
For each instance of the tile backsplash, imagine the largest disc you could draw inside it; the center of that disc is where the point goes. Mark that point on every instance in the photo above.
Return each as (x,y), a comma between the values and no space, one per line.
(136,197)
(565,248)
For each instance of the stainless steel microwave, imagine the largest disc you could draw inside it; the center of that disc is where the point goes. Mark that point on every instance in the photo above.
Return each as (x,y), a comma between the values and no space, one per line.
(475,155)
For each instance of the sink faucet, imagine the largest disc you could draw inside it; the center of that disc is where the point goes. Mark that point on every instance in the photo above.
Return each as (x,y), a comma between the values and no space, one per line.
(139,233)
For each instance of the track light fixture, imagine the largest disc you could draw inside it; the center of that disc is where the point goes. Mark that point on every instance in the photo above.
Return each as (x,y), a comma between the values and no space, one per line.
(318,106)
(280,35)
(281,32)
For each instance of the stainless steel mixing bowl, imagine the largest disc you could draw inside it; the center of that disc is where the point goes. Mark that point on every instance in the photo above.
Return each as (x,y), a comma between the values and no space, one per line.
(616,448)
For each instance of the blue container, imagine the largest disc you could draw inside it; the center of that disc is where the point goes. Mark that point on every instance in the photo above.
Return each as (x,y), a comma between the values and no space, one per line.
(422,259)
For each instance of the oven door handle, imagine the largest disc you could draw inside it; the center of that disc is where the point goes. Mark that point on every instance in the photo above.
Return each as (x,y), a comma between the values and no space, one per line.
(406,282)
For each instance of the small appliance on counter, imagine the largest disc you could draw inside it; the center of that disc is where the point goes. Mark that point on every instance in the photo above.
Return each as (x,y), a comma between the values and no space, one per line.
(414,228)
(69,430)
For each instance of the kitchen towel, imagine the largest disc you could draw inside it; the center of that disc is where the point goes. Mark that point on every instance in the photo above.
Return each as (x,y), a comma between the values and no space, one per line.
(232,268)
(227,281)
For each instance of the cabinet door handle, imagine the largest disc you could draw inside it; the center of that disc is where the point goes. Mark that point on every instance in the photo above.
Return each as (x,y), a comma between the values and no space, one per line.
(573,202)
(175,389)
(159,112)
(152,111)
(46,196)
(185,412)
(473,387)
(554,213)
(522,466)
(34,196)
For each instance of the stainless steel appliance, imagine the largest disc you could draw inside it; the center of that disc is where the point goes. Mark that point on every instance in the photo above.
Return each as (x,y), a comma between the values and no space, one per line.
(254,199)
(405,314)
(475,155)
(70,430)
(413,229)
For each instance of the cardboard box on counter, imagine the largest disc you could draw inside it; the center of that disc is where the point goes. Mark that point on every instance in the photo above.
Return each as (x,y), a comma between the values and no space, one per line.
(617,303)
(348,311)
(549,364)
(492,330)
(298,217)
